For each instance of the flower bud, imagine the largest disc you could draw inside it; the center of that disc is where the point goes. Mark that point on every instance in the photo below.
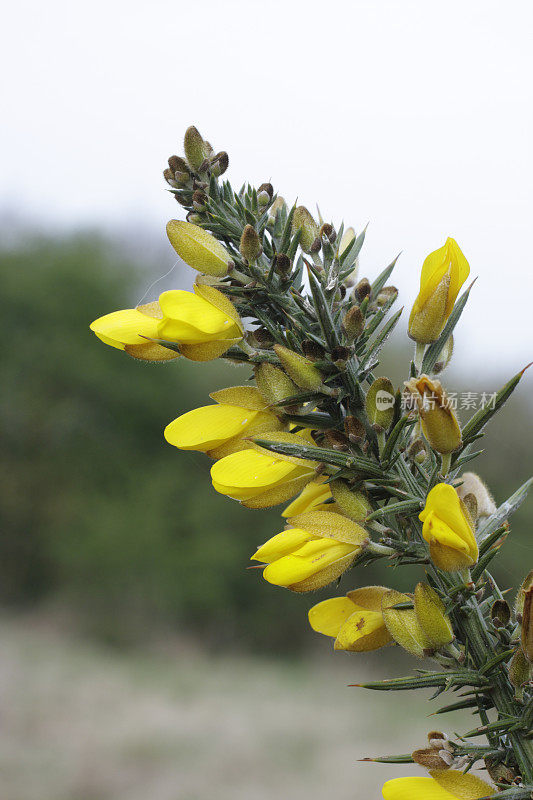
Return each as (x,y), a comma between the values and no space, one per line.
(274,384)
(445,356)
(220,163)
(527,625)
(403,624)
(313,350)
(250,245)
(353,323)
(179,169)
(352,503)
(355,621)
(347,239)
(439,422)
(315,551)
(430,612)
(379,403)
(443,273)
(278,204)
(355,430)
(448,529)
(282,265)
(500,613)
(473,485)
(168,175)
(265,193)
(196,150)
(519,669)
(362,290)
(198,248)
(386,295)
(313,497)
(304,222)
(299,368)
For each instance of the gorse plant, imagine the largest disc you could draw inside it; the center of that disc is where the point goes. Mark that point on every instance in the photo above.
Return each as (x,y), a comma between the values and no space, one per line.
(378,471)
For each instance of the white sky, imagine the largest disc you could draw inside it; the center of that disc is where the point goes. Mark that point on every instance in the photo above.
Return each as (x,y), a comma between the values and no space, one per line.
(414,115)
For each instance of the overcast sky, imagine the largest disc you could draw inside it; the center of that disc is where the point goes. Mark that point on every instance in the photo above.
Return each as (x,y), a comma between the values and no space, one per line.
(413,115)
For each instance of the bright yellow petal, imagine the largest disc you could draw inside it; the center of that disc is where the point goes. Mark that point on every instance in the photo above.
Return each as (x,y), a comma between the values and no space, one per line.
(460,271)
(435,530)
(191,319)
(125,327)
(443,502)
(415,789)
(208,427)
(281,545)
(249,469)
(433,271)
(329,616)
(311,497)
(313,557)
(360,624)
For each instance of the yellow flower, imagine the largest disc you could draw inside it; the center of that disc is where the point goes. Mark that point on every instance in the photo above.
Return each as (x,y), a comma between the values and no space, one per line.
(315,551)
(127,328)
(259,480)
(204,325)
(439,422)
(355,621)
(223,428)
(443,273)
(448,529)
(443,785)
(312,498)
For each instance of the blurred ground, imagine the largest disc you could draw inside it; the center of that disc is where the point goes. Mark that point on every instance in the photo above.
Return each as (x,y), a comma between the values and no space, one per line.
(85,722)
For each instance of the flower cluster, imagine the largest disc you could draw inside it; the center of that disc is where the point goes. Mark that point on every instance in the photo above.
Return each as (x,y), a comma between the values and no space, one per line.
(371,471)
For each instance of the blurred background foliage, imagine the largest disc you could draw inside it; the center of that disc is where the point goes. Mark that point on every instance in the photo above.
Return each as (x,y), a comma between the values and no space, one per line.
(105,522)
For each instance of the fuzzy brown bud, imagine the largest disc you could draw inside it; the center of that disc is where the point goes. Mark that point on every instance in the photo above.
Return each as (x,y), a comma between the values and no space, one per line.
(313,350)
(250,245)
(220,163)
(353,323)
(282,264)
(362,289)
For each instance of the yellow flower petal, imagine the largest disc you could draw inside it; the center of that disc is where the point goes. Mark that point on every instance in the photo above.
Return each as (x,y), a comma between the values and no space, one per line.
(459,785)
(125,327)
(329,616)
(415,789)
(312,497)
(360,625)
(445,521)
(251,472)
(281,545)
(192,320)
(310,559)
(208,427)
